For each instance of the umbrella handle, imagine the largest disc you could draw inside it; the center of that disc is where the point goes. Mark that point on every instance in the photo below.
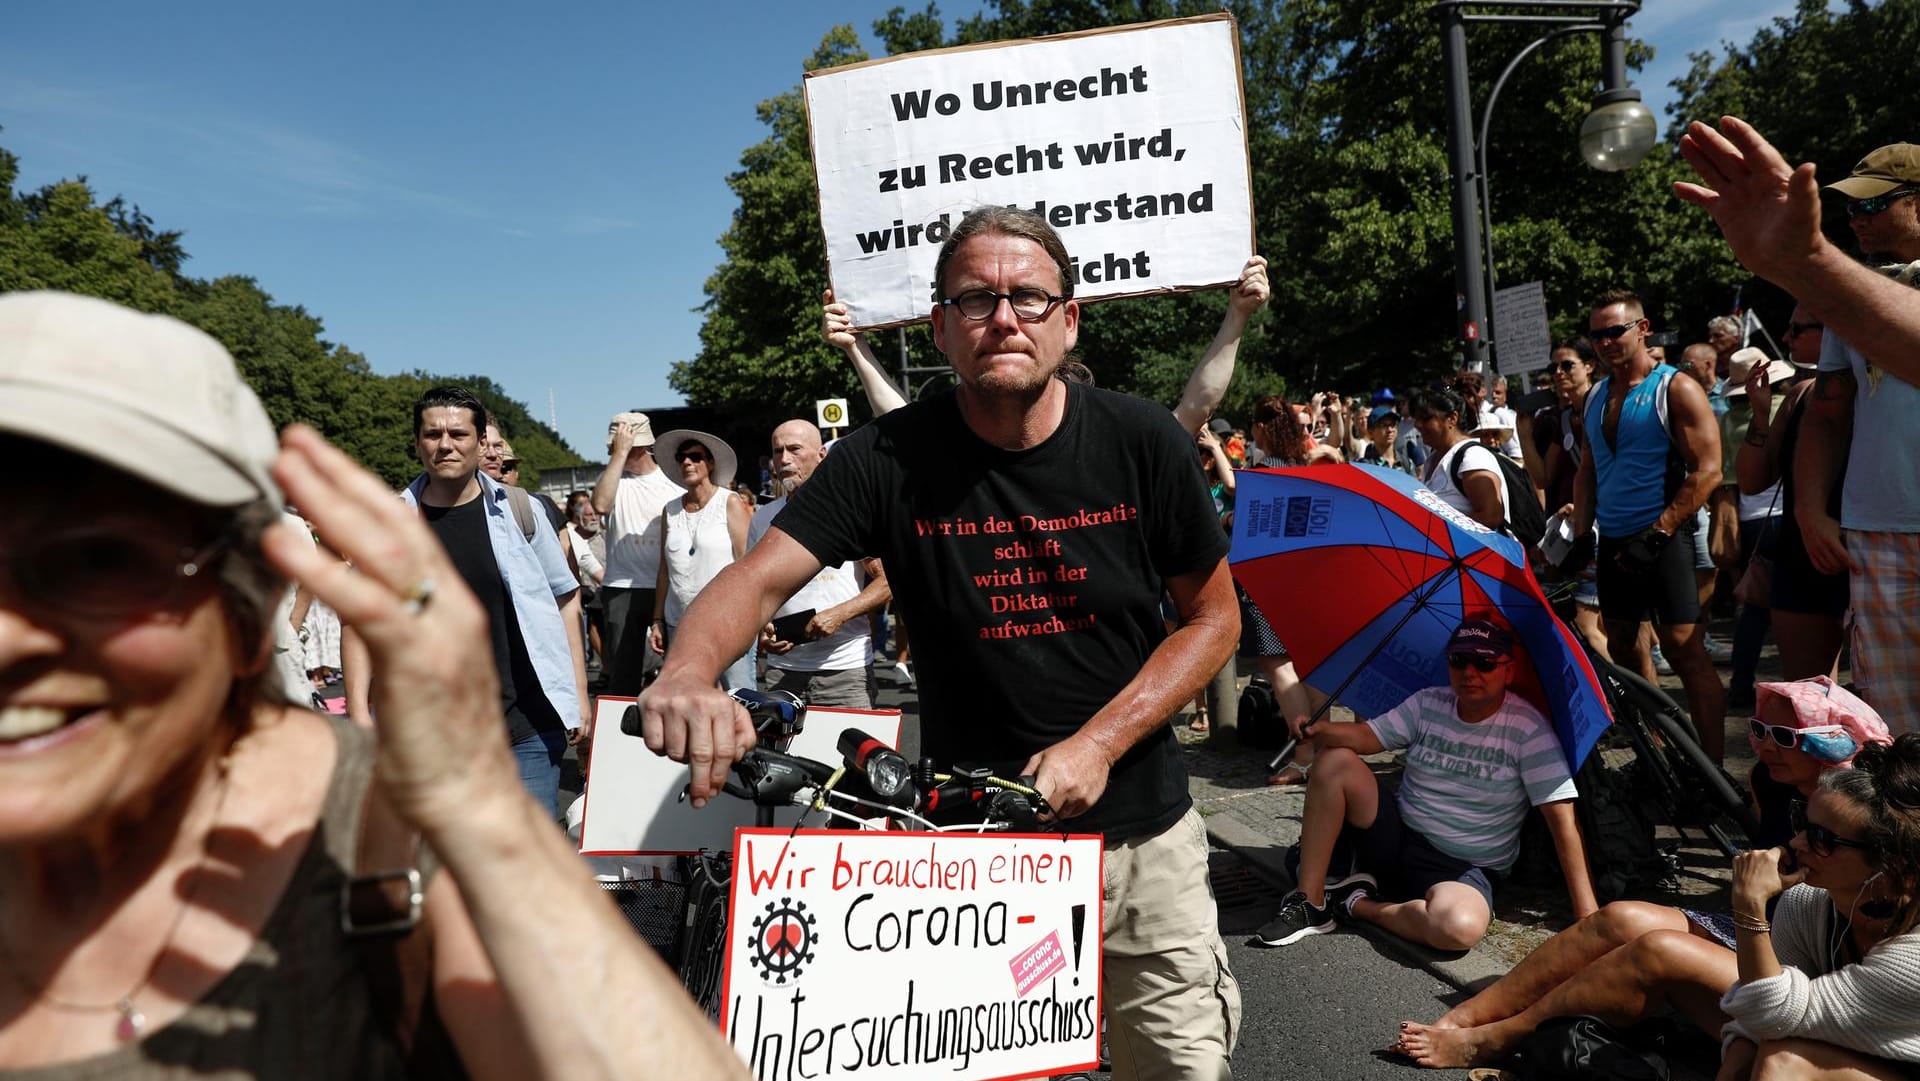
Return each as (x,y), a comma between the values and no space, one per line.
(1286,752)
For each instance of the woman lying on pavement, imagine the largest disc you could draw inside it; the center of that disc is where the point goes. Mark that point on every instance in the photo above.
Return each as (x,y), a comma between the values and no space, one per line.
(177,840)
(1829,987)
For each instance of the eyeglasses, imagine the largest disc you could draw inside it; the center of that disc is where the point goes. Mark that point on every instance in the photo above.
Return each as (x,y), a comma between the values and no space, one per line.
(1610,333)
(1030,305)
(1562,365)
(1460,662)
(1819,838)
(1800,328)
(690,456)
(1858,208)
(107,575)
(1787,736)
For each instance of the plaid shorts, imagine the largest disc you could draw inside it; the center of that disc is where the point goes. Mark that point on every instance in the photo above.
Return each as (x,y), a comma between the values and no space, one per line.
(1886,636)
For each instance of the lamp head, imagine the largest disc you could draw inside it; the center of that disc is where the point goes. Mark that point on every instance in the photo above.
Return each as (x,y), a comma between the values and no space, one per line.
(1619,132)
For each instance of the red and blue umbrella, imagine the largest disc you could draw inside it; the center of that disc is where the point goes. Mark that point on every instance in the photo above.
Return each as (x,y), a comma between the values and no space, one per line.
(1364,575)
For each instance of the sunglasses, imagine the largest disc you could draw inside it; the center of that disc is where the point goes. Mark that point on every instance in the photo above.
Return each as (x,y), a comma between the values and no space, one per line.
(508,465)
(1608,334)
(1819,838)
(104,575)
(1801,328)
(1788,737)
(691,456)
(1858,208)
(1460,663)
(1562,365)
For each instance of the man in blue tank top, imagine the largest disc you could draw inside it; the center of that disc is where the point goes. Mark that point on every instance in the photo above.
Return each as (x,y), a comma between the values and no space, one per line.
(1653,458)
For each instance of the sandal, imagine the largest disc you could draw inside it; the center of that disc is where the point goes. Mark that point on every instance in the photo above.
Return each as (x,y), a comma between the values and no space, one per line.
(1277,777)
(1198,724)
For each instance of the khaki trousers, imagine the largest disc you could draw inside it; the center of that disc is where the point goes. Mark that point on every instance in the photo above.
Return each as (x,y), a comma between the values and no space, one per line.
(1173,1007)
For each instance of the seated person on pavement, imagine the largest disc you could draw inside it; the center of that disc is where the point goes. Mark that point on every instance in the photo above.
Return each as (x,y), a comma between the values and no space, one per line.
(1824,981)
(1422,864)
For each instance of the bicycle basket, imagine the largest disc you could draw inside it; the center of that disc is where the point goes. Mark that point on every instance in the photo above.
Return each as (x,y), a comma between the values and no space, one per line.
(656,908)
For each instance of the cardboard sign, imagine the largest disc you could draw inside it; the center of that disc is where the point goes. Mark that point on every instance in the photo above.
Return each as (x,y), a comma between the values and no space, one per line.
(913,955)
(633,805)
(1523,342)
(1130,141)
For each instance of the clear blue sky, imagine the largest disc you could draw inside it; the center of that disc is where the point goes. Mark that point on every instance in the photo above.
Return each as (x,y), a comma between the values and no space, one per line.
(534,194)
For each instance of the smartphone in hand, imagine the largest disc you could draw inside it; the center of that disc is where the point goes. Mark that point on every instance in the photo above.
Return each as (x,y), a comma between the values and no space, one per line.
(792,628)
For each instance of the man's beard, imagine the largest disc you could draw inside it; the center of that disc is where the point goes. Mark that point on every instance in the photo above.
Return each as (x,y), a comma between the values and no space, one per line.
(784,486)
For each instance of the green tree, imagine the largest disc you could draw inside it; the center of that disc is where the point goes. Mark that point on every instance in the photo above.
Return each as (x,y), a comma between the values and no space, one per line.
(1350,185)
(60,237)
(1801,81)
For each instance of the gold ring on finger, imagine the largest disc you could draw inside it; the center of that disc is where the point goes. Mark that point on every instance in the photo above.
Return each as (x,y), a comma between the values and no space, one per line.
(415,600)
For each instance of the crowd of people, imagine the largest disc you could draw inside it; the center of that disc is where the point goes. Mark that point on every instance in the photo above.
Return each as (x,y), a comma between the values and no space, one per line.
(196,870)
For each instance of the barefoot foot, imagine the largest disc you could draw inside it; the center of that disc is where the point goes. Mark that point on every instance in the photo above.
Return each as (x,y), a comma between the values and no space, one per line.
(1445,1048)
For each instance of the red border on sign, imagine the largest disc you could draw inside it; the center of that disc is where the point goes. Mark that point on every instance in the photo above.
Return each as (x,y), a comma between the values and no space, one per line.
(1099,930)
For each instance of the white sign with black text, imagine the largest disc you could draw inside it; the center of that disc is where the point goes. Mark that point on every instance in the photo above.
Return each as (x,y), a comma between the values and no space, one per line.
(1131,142)
(1522,340)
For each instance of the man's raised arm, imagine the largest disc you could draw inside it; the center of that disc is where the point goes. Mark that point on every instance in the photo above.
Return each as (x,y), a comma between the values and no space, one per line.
(684,715)
(836,326)
(1208,383)
(1770,214)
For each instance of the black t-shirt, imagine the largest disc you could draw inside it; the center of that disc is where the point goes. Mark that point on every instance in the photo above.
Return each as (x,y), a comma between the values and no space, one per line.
(1031,578)
(463,533)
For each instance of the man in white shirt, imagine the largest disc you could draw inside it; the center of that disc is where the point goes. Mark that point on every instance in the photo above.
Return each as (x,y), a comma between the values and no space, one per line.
(818,646)
(629,496)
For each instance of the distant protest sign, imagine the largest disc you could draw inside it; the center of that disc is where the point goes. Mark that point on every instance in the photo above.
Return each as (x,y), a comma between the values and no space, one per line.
(913,955)
(1131,142)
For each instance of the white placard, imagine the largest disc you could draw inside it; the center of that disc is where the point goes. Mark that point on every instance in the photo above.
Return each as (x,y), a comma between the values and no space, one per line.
(632,798)
(830,413)
(1522,340)
(913,955)
(1130,141)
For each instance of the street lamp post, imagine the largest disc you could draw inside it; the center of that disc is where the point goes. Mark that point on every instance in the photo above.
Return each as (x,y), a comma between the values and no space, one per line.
(1615,136)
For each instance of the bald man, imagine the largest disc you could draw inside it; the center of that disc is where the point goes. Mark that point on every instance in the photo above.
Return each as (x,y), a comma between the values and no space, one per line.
(818,646)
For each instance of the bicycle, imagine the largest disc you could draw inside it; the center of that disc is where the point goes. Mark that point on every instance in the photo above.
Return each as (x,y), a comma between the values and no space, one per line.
(1690,789)
(871,777)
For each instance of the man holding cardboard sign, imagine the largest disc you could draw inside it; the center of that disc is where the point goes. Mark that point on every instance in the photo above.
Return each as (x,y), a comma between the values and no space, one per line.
(1027,526)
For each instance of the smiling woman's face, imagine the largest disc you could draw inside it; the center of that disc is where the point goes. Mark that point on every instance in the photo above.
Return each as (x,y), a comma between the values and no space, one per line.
(98,709)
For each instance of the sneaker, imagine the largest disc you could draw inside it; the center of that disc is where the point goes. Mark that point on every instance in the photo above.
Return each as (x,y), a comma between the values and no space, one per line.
(906,674)
(1342,857)
(1342,897)
(1297,919)
(1660,664)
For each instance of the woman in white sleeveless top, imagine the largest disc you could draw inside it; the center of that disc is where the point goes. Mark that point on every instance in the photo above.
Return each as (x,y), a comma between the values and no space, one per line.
(701,532)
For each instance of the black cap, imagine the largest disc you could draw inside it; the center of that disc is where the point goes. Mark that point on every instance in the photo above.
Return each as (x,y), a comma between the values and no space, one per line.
(1480,638)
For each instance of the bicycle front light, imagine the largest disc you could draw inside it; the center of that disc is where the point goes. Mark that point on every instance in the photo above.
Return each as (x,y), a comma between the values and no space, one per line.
(885,770)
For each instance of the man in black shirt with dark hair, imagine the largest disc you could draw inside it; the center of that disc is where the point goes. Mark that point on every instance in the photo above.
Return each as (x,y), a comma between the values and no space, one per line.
(1029,527)
(531,597)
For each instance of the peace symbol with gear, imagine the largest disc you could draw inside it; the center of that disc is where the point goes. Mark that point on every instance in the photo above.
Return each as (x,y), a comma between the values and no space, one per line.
(782,940)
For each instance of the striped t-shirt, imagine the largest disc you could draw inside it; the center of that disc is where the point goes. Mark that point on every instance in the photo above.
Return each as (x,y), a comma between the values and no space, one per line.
(1467,786)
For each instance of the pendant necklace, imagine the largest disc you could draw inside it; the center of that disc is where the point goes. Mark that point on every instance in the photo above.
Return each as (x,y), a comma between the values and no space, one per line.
(132,1023)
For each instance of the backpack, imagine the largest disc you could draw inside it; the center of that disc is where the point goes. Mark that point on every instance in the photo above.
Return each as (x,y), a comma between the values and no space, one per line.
(1526,518)
(522,505)
(1261,724)
(1615,827)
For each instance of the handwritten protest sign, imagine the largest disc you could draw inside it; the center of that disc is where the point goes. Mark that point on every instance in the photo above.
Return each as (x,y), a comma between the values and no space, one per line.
(913,955)
(1131,142)
(633,805)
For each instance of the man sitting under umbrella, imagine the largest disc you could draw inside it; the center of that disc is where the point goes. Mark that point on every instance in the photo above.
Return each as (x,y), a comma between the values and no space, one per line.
(1422,865)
